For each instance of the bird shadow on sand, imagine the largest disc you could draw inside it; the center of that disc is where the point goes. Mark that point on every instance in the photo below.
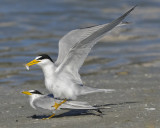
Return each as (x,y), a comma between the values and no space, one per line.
(71,113)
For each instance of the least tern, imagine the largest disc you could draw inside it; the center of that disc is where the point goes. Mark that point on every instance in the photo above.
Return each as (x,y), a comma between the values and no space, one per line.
(62,78)
(42,102)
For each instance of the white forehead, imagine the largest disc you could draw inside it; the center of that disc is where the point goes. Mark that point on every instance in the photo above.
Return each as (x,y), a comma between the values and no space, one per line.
(38,57)
(31,91)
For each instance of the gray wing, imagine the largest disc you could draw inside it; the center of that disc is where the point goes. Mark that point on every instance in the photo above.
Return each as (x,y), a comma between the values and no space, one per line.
(76,105)
(74,37)
(44,102)
(77,54)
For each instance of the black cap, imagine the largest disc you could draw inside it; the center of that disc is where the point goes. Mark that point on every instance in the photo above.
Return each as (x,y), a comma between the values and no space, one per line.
(35,92)
(44,56)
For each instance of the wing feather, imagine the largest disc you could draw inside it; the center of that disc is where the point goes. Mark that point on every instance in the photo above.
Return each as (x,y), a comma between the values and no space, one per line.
(74,37)
(44,102)
(77,54)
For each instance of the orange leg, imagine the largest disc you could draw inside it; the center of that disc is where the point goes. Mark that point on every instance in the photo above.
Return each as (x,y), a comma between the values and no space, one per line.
(49,117)
(56,105)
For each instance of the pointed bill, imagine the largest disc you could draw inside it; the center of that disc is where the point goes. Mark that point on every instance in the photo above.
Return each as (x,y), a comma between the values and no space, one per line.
(27,93)
(31,63)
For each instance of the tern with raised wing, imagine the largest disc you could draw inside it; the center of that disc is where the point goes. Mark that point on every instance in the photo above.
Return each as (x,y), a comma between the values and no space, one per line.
(62,77)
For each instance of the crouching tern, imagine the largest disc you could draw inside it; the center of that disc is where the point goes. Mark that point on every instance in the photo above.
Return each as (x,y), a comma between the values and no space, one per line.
(42,102)
(62,77)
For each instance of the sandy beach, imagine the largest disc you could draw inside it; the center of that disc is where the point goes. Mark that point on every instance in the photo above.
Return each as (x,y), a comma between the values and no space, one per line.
(127,60)
(135,104)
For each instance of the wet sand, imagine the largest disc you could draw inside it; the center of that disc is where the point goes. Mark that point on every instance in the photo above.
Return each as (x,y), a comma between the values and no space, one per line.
(135,104)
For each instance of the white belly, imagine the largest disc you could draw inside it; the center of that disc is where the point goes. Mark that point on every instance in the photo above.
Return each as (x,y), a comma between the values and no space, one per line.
(62,88)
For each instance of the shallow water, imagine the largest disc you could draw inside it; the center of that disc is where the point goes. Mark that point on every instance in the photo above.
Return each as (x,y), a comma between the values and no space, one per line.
(29,28)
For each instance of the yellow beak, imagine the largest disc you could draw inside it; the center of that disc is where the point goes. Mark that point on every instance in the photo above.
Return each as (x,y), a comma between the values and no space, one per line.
(27,93)
(32,63)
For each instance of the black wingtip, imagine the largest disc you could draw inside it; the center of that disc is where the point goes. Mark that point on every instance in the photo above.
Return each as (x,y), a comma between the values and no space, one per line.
(98,110)
(125,14)
(136,5)
(133,8)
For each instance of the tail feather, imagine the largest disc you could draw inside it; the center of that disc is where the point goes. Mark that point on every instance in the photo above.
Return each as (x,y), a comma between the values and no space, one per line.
(87,90)
(77,105)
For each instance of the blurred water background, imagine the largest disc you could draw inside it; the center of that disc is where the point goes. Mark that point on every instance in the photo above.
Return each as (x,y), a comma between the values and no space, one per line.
(31,27)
